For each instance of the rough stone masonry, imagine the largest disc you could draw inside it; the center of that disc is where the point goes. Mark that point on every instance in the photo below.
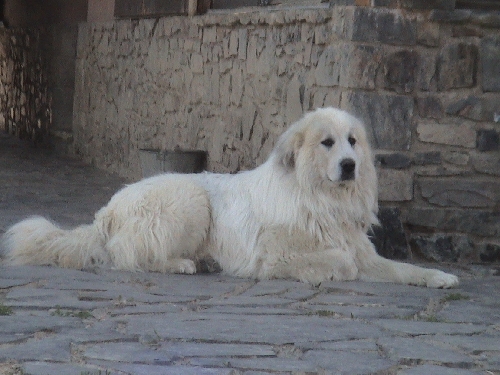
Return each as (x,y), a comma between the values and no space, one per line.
(426,82)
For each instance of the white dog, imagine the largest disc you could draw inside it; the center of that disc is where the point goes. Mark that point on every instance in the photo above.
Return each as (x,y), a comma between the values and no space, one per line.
(304,214)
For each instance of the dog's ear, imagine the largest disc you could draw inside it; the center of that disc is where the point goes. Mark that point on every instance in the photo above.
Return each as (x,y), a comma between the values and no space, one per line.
(288,148)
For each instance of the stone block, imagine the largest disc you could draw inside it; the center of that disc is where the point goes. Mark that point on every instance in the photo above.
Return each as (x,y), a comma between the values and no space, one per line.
(394,161)
(328,67)
(381,25)
(430,107)
(427,158)
(469,107)
(490,63)
(462,31)
(456,157)
(457,66)
(454,135)
(489,252)
(428,4)
(196,63)
(209,34)
(460,192)
(488,163)
(400,70)
(442,247)
(426,78)
(359,67)
(484,108)
(395,185)
(488,140)
(455,16)
(428,34)
(476,222)
(387,117)
(390,238)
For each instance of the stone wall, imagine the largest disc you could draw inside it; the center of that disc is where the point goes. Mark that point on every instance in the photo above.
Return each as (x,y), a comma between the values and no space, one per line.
(426,82)
(25,103)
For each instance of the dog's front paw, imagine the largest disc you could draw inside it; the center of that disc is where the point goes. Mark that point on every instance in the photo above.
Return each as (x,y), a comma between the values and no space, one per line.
(440,279)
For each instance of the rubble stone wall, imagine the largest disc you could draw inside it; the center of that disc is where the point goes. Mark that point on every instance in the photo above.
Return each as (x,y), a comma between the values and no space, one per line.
(426,83)
(25,103)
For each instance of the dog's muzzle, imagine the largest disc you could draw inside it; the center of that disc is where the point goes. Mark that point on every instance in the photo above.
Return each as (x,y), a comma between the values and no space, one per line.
(347,167)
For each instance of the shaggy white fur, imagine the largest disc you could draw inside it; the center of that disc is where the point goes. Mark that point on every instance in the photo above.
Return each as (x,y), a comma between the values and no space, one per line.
(303,214)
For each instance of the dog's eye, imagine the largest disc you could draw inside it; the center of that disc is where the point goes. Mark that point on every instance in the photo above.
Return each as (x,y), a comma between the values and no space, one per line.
(328,142)
(352,141)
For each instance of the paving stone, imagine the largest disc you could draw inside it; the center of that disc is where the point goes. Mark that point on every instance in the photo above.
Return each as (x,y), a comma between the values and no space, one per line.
(249,328)
(50,349)
(44,368)
(416,350)
(429,328)
(14,324)
(32,297)
(487,342)
(265,364)
(141,369)
(437,370)
(349,362)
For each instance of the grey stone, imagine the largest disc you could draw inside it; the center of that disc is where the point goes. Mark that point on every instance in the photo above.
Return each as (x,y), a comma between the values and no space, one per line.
(382,25)
(460,192)
(425,4)
(388,117)
(490,63)
(471,344)
(31,297)
(463,311)
(488,163)
(256,329)
(421,328)
(428,33)
(328,67)
(488,140)
(14,324)
(459,158)
(456,16)
(457,66)
(442,248)
(51,349)
(469,107)
(144,369)
(427,158)
(416,350)
(44,368)
(360,65)
(396,161)
(430,107)
(349,362)
(482,223)
(400,69)
(447,134)
(489,252)
(436,370)
(395,185)
(390,238)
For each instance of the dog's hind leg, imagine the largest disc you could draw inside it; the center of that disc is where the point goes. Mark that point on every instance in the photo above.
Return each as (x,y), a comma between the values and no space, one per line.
(163,231)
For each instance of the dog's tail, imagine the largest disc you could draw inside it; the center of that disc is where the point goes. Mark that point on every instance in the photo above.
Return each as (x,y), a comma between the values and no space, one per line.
(37,241)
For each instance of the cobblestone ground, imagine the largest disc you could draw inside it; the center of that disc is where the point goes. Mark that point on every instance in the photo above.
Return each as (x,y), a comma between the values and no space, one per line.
(96,321)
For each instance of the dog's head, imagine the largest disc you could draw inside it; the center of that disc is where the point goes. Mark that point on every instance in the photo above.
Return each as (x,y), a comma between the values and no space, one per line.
(328,150)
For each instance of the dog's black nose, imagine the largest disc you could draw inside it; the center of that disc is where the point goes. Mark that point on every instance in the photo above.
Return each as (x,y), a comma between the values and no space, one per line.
(347,166)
